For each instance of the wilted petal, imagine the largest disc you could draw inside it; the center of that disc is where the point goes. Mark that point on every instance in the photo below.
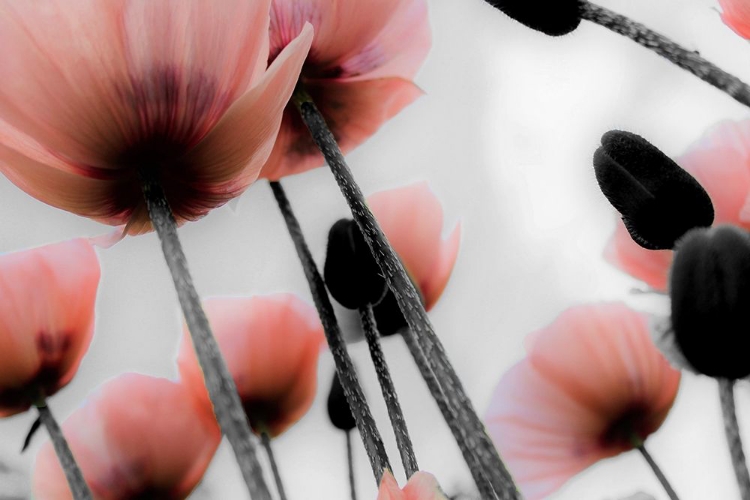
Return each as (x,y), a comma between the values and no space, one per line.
(46,319)
(136,437)
(271,347)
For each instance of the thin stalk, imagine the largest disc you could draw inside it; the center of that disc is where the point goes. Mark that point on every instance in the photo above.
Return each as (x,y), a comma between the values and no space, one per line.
(219,382)
(350,460)
(73,474)
(266,440)
(732,431)
(368,431)
(409,303)
(475,467)
(403,441)
(638,444)
(685,59)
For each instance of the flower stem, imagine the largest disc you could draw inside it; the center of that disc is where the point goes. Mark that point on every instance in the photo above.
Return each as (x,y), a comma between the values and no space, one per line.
(685,59)
(475,467)
(73,473)
(638,444)
(349,381)
(266,440)
(219,382)
(403,441)
(408,301)
(350,460)
(732,431)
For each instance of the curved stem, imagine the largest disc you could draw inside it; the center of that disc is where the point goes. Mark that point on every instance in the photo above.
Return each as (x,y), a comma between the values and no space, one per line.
(471,429)
(403,441)
(219,382)
(73,473)
(732,431)
(266,440)
(368,431)
(685,59)
(638,444)
(350,460)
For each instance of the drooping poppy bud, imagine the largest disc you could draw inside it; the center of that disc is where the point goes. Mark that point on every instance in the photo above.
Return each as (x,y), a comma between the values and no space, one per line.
(710,291)
(658,200)
(338,409)
(551,17)
(351,273)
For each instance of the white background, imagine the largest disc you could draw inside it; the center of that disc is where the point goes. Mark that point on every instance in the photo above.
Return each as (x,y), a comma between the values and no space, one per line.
(504,134)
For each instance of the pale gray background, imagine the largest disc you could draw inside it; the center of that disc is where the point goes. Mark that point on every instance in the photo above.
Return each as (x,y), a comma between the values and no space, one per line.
(504,135)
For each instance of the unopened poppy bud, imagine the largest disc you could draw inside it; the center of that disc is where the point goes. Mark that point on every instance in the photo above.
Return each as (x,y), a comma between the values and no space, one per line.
(351,273)
(551,17)
(338,408)
(710,291)
(658,200)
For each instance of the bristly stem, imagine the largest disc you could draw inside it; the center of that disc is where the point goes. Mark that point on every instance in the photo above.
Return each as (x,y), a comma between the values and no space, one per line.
(350,460)
(685,59)
(344,368)
(73,474)
(266,440)
(637,443)
(408,301)
(219,382)
(732,431)
(403,441)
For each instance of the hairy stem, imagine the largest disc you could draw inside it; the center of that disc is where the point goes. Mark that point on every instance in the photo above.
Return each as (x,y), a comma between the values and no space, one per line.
(221,388)
(73,474)
(403,441)
(732,431)
(409,302)
(368,431)
(685,59)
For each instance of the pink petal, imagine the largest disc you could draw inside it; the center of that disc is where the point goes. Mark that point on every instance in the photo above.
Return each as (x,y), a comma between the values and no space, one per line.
(650,266)
(342,28)
(412,219)
(399,49)
(232,155)
(736,15)
(423,486)
(271,347)
(389,489)
(136,435)
(47,319)
(354,111)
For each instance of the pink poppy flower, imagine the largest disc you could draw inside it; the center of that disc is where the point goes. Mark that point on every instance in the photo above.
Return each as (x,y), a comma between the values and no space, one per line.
(412,219)
(421,486)
(271,346)
(46,319)
(95,93)
(592,382)
(136,437)
(359,70)
(720,161)
(736,15)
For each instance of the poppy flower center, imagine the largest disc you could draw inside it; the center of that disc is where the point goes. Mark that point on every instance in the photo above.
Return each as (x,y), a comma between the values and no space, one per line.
(629,426)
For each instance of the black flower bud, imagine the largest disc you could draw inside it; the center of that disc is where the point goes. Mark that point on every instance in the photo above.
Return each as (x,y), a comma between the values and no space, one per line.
(551,17)
(659,201)
(338,409)
(710,290)
(351,273)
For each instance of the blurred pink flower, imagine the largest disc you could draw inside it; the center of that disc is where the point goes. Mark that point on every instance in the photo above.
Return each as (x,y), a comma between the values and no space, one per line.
(592,381)
(359,70)
(736,15)
(94,92)
(412,219)
(720,161)
(421,486)
(271,346)
(46,319)
(136,437)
